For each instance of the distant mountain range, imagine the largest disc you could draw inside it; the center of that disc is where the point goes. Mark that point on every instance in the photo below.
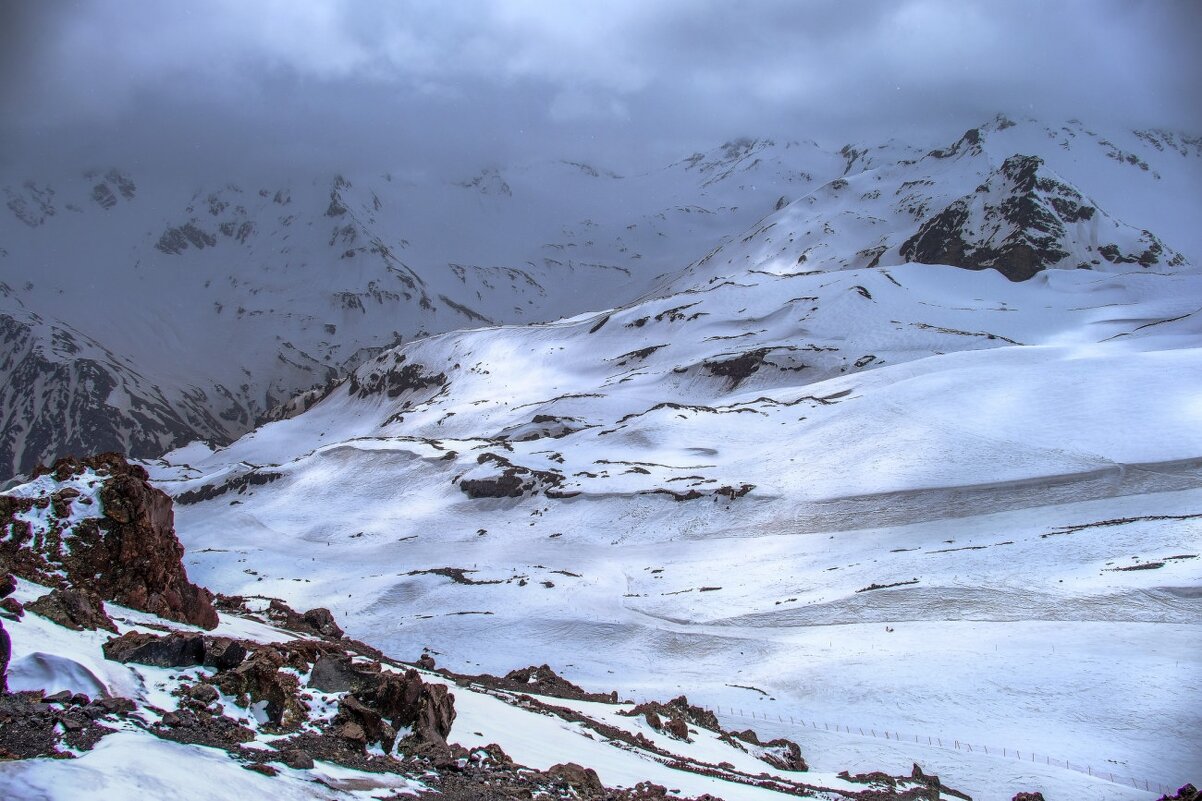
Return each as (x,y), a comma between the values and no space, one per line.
(136,317)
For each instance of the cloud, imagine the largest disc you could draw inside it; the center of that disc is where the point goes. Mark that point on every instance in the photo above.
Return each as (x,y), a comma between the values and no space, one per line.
(277,84)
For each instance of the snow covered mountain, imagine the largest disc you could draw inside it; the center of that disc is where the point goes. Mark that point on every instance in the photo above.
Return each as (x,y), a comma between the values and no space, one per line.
(197,315)
(227,301)
(917,449)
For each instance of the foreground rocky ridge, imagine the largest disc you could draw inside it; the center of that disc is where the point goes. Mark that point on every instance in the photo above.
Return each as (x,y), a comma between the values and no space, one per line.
(285,695)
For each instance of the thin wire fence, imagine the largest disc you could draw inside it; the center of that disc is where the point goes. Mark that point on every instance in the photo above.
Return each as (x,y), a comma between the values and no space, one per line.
(1002,752)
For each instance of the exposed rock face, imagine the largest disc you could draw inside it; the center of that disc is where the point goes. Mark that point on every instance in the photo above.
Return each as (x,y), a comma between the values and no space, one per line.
(507,480)
(73,608)
(1185,793)
(1018,222)
(779,753)
(56,382)
(393,380)
(405,701)
(679,708)
(542,680)
(33,725)
(7,585)
(174,650)
(129,554)
(176,240)
(584,781)
(318,621)
(1036,796)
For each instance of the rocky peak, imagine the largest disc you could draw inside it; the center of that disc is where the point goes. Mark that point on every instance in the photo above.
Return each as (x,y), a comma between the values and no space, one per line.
(1022,220)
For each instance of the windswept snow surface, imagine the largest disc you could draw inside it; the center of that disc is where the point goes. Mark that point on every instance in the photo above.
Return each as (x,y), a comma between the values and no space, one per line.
(906,497)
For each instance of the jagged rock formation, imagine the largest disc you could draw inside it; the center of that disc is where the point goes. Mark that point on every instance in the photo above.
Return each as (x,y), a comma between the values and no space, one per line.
(73,608)
(107,529)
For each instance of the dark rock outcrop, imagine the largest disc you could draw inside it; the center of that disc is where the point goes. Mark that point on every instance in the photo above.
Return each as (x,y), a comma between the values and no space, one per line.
(73,608)
(32,725)
(512,481)
(1036,796)
(1184,793)
(318,621)
(260,680)
(678,708)
(223,653)
(541,680)
(129,554)
(7,585)
(173,650)
(1024,232)
(583,781)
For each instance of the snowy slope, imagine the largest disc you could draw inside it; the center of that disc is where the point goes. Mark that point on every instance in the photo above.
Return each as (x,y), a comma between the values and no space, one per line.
(149,749)
(237,296)
(899,496)
(231,298)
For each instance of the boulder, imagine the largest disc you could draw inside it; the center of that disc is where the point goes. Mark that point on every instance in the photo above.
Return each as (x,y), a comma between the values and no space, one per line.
(1186,792)
(318,621)
(73,608)
(223,653)
(334,673)
(12,609)
(676,727)
(370,721)
(297,759)
(784,754)
(173,650)
(407,701)
(584,781)
(321,620)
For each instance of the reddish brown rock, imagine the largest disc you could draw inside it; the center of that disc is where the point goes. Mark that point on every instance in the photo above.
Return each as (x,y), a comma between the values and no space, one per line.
(1036,796)
(259,679)
(173,650)
(73,608)
(12,609)
(584,781)
(677,728)
(129,554)
(6,650)
(314,621)
(784,754)
(7,585)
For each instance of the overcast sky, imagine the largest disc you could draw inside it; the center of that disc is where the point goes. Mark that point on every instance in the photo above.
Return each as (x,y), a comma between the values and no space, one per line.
(341,84)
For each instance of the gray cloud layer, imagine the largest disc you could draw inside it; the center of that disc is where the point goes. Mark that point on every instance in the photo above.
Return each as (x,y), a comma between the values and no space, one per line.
(234,84)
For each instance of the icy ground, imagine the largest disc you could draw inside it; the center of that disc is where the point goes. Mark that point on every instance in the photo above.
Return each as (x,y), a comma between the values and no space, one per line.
(133,764)
(995,451)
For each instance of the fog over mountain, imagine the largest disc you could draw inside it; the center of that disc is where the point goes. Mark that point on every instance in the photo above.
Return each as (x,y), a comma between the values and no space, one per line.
(275,84)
